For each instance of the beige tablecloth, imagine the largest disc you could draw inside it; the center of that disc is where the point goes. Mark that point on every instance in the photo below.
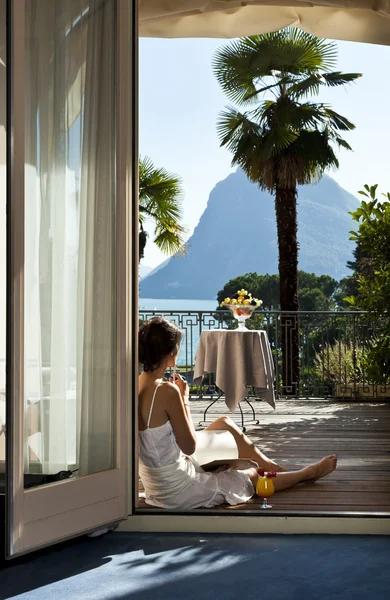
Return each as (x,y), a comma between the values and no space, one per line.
(238,359)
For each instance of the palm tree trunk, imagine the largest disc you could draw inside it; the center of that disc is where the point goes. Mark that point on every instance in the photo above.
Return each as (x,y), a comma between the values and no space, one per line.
(286,220)
(142,237)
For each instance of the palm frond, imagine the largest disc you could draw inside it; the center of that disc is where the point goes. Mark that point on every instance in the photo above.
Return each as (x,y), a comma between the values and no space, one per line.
(232,67)
(232,125)
(242,63)
(317,53)
(230,120)
(311,85)
(315,150)
(161,209)
(253,96)
(308,86)
(276,140)
(338,121)
(160,200)
(156,181)
(337,78)
(342,143)
(170,240)
(291,114)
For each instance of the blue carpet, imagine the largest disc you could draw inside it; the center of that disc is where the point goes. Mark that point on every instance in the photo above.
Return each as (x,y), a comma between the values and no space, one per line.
(205,567)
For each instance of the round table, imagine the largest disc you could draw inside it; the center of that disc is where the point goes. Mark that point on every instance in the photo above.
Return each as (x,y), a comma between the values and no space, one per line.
(239,359)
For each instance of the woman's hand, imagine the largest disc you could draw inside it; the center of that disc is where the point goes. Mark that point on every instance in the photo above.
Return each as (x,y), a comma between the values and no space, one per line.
(181,384)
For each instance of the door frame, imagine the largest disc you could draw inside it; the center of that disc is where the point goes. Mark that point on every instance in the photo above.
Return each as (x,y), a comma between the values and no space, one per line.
(218,521)
(41,516)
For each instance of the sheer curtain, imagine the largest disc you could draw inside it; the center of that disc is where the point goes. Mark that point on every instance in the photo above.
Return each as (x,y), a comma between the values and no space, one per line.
(3,250)
(96,274)
(69,235)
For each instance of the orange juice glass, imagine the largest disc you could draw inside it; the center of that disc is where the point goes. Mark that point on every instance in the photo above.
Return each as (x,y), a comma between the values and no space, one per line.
(265,489)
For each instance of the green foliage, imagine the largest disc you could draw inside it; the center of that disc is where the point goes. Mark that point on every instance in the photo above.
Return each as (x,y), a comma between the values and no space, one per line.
(369,364)
(160,201)
(315,292)
(281,138)
(373,281)
(313,299)
(346,290)
(263,287)
(337,362)
(350,293)
(325,283)
(357,265)
(373,235)
(377,360)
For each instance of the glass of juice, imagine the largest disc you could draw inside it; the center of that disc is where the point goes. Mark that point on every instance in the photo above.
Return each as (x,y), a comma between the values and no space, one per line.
(265,488)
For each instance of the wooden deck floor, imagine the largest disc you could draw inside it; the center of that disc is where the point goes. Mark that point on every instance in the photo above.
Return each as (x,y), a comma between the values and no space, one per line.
(299,432)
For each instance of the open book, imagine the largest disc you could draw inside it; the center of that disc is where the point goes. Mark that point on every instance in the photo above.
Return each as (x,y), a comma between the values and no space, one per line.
(217,448)
(233,463)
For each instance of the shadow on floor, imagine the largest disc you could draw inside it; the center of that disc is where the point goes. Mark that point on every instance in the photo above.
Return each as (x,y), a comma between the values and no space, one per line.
(122,566)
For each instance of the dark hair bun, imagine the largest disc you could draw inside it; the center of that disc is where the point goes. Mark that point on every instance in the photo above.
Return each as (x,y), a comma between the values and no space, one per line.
(157,338)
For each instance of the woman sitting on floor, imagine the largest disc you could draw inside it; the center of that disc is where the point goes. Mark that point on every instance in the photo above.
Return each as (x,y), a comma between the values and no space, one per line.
(172,478)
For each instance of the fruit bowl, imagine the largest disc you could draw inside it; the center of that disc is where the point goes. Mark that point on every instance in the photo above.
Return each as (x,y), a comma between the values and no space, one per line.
(241,305)
(241,312)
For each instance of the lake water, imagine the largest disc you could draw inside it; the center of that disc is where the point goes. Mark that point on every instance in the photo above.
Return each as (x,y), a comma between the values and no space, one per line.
(176,304)
(189,325)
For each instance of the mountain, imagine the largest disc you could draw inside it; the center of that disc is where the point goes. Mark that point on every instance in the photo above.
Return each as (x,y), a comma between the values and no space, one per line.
(237,234)
(143,271)
(160,266)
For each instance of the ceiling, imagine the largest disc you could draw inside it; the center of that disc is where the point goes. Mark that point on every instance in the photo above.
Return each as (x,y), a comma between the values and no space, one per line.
(355,20)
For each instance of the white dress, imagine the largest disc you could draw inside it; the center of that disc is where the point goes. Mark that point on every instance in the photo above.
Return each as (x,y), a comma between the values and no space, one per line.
(175,481)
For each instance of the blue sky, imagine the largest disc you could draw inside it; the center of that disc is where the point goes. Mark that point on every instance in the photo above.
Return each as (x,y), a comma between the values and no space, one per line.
(180,101)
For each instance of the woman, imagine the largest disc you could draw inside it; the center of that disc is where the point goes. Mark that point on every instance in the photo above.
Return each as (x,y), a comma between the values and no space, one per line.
(171,476)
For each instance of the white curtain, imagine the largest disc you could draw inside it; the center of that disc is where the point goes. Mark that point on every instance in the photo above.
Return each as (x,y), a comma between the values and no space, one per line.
(69,244)
(96,276)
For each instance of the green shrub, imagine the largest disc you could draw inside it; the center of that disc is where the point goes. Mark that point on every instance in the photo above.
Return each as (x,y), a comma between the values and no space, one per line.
(377,361)
(337,362)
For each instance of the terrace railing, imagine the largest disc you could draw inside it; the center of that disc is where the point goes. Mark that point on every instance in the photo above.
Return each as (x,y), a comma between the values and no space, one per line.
(333,349)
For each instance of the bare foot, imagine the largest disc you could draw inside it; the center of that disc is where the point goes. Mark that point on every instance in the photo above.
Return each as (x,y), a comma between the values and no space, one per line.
(321,468)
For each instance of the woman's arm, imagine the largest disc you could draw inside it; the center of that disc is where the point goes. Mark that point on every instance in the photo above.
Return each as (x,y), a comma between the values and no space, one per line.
(182,384)
(177,409)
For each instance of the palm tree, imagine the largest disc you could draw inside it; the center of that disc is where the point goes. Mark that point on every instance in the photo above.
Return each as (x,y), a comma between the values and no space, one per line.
(281,139)
(160,200)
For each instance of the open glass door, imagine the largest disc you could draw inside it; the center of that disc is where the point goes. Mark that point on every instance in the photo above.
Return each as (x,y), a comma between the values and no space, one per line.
(3,266)
(69,131)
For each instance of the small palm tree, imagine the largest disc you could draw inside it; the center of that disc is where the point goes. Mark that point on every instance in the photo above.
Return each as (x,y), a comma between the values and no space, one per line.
(160,200)
(281,139)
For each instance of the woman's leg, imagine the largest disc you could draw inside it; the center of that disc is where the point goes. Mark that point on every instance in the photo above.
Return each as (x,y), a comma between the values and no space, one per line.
(285,480)
(246,448)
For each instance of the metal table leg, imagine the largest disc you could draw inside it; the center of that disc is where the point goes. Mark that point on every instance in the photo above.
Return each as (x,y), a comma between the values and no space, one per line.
(208,408)
(254,420)
(257,422)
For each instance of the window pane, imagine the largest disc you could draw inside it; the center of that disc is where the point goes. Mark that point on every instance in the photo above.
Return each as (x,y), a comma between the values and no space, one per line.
(3,253)
(70,208)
